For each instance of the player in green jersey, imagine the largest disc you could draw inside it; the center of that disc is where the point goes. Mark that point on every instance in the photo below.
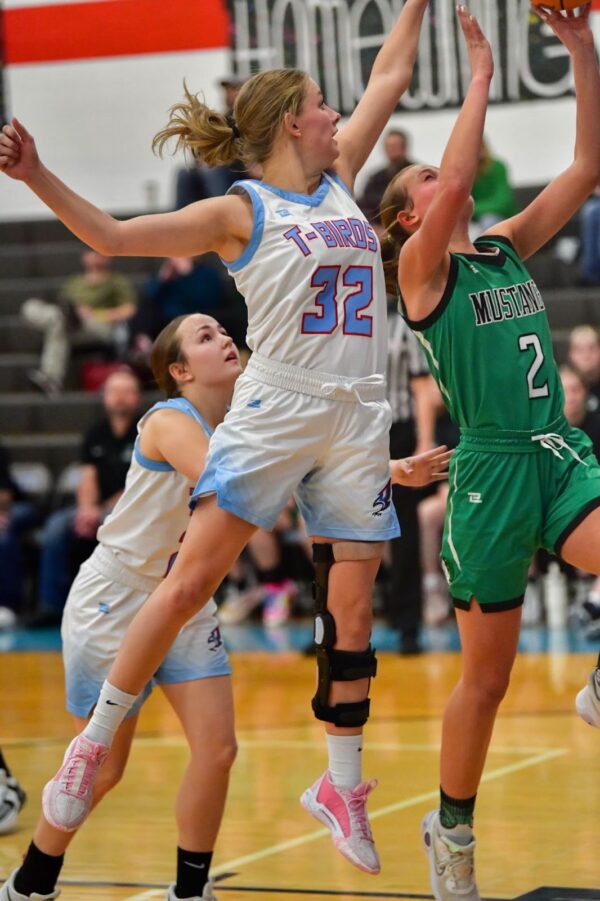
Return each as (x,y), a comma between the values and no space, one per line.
(521,477)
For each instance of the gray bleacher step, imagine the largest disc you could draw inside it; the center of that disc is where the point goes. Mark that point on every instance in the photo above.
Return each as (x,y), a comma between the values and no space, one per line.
(16,335)
(55,451)
(72,411)
(35,231)
(34,413)
(13,371)
(58,258)
(13,291)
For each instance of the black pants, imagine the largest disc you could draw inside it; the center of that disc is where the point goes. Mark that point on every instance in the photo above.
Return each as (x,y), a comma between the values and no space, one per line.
(404,600)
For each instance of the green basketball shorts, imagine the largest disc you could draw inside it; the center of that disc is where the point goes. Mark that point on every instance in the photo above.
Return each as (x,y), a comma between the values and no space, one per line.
(512,493)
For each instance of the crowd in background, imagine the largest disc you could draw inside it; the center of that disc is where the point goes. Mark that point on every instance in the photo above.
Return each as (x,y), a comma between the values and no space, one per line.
(100,310)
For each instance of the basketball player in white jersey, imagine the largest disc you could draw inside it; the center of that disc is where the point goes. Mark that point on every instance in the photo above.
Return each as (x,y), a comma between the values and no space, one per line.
(308,417)
(196,364)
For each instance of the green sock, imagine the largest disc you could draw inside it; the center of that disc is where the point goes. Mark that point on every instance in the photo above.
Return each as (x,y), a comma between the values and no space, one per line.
(456,812)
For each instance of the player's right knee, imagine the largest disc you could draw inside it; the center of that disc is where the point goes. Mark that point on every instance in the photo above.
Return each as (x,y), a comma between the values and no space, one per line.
(225,755)
(489,689)
(186,596)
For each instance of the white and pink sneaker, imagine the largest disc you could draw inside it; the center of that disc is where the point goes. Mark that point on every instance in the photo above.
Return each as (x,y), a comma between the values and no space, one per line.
(344,812)
(67,798)
(278,600)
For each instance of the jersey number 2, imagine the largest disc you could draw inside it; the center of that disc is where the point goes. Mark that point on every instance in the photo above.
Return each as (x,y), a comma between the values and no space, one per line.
(525,342)
(325,321)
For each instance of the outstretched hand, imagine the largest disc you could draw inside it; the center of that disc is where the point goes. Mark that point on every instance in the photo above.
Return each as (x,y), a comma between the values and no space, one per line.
(572,30)
(18,156)
(421,469)
(480,52)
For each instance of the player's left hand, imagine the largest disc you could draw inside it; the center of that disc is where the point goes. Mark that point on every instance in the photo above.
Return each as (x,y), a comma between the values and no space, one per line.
(570,27)
(421,469)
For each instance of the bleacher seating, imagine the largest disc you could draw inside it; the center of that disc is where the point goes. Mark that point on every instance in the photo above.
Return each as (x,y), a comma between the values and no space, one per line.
(35,258)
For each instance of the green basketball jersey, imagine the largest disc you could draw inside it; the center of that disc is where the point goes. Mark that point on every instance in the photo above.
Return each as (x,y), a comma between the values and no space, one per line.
(489,345)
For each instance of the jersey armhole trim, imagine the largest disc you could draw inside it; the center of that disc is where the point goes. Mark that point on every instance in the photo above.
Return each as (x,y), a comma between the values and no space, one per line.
(182,405)
(496,239)
(419,325)
(147,463)
(258,226)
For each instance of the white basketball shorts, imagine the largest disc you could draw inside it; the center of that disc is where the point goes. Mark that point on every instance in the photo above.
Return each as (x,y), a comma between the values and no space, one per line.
(97,613)
(319,437)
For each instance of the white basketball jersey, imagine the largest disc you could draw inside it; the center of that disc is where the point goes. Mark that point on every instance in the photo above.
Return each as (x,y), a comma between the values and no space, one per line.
(149,520)
(313,280)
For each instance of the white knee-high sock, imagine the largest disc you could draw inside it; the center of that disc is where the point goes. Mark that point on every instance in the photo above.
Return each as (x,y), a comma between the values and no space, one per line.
(345,760)
(112,708)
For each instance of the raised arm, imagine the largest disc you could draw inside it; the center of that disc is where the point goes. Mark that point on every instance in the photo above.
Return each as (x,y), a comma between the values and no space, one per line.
(389,79)
(222,224)
(557,203)
(425,253)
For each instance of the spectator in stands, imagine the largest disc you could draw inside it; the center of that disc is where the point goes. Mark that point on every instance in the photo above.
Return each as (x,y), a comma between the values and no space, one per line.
(181,286)
(584,356)
(577,410)
(579,415)
(17,515)
(196,181)
(94,306)
(395,147)
(589,230)
(105,459)
(410,393)
(492,192)
(270,556)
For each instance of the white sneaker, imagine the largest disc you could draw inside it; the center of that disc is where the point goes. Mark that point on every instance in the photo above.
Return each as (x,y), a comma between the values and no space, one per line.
(278,603)
(12,798)
(8,618)
(344,812)
(207,894)
(587,702)
(67,798)
(451,866)
(9,893)
(436,601)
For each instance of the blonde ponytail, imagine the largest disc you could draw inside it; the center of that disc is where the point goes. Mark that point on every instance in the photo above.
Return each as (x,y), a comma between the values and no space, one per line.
(209,135)
(249,134)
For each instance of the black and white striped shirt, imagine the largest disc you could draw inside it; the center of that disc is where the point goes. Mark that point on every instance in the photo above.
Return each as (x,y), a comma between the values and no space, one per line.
(405,361)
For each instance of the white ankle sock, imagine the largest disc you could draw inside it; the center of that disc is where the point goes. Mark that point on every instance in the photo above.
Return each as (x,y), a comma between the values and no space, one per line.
(345,760)
(112,708)
(461,834)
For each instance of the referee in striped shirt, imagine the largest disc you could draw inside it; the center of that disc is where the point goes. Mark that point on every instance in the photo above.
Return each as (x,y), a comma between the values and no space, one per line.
(409,388)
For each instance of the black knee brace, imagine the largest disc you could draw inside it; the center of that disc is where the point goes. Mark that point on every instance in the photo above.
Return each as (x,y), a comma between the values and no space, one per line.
(334,665)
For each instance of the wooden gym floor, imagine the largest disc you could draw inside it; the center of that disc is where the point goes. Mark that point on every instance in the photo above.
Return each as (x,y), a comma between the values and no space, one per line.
(537,814)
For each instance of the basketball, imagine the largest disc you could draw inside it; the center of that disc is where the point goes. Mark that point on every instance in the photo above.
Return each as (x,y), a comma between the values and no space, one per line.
(561,4)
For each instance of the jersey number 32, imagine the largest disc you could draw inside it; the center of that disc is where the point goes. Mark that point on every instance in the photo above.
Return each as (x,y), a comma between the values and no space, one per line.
(331,281)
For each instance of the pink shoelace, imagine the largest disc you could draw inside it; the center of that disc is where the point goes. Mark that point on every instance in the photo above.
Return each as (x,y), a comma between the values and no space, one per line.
(90,756)
(357,805)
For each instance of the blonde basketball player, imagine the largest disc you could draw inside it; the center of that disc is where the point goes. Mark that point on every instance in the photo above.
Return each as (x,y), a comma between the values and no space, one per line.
(196,364)
(309,415)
